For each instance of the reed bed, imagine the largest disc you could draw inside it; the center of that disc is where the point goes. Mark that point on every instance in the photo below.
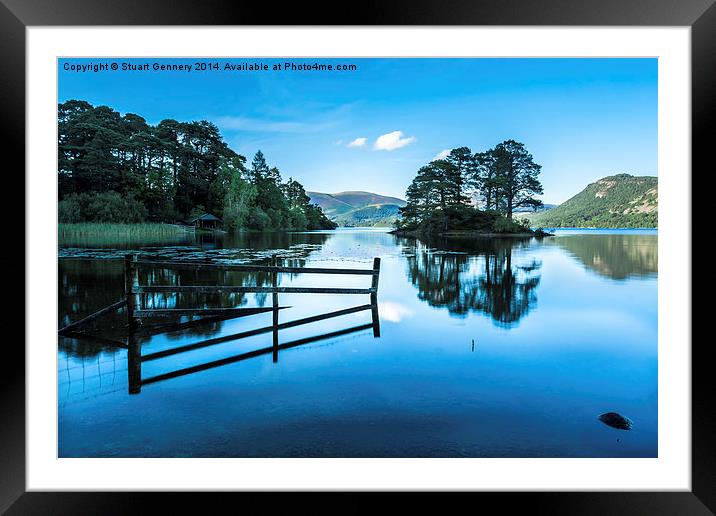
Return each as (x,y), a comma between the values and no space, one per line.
(91,233)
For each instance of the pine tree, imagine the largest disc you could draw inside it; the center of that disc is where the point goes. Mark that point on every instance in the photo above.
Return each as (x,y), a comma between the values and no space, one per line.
(463,163)
(517,173)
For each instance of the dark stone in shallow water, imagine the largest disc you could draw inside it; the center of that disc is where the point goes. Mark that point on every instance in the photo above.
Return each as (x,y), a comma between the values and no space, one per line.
(616,420)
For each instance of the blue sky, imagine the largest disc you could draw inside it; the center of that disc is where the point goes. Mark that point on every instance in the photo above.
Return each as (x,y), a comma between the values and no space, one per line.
(582,119)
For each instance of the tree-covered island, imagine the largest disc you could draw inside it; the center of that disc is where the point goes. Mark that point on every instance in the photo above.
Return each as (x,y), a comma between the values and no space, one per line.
(115,168)
(470,192)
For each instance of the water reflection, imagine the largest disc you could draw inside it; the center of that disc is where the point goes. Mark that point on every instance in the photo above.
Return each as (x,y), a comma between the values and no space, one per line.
(136,358)
(86,284)
(474,275)
(614,256)
(80,296)
(219,247)
(94,369)
(443,380)
(152,308)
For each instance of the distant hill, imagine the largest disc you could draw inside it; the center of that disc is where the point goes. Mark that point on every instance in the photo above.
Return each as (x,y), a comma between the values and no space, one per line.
(620,201)
(544,207)
(357,208)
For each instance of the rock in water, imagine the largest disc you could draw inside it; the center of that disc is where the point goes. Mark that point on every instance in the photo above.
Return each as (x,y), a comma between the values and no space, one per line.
(616,420)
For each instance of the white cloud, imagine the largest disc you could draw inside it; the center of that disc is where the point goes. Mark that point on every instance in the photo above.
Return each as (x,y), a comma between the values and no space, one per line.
(441,155)
(358,142)
(392,141)
(393,312)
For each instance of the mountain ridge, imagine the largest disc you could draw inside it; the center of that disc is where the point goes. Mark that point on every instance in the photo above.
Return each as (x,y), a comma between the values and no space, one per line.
(352,208)
(616,201)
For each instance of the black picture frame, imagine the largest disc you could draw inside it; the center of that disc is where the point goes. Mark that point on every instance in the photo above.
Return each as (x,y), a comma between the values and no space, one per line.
(17,15)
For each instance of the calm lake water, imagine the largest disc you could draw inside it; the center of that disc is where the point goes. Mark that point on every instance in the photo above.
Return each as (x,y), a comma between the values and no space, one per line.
(487,348)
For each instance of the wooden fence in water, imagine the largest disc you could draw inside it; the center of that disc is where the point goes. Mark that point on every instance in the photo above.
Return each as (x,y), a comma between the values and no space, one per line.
(137,313)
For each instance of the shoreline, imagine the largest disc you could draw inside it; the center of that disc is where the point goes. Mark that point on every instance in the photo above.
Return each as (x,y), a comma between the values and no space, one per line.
(470,233)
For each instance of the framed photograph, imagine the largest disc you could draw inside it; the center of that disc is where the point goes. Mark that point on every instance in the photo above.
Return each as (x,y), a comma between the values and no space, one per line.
(417,248)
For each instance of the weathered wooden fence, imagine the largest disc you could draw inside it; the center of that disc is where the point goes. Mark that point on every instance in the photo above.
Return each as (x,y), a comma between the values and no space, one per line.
(137,313)
(133,289)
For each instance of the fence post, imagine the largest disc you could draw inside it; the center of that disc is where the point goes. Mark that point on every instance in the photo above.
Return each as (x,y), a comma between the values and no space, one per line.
(130,271)
(274,283)
(374,298)
(134,362)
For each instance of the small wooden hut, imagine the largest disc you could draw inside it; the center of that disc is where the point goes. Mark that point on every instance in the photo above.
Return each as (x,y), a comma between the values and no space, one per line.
(206,221)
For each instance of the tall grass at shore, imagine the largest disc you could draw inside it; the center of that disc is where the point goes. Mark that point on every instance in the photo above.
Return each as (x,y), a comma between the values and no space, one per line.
(104,234)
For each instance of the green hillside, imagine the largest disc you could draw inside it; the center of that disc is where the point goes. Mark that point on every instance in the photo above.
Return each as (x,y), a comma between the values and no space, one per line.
(379,215)
(357,208)
(328,203)
(620,201)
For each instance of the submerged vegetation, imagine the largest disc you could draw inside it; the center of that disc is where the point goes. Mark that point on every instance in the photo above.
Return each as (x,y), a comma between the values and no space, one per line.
(117,168)
(472,192)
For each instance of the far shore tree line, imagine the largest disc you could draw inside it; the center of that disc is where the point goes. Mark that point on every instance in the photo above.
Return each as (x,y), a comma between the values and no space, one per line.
(473,191)
(118,168)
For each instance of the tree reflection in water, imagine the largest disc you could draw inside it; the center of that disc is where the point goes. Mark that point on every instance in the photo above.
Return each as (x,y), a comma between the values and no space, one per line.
(86,285)
(619,257)
(474,275)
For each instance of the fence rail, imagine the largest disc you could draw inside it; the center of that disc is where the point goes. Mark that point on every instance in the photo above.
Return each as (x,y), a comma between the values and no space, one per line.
(253,332)
(177,312)
(210,289)
(133,289)
(245,356)
(198,266)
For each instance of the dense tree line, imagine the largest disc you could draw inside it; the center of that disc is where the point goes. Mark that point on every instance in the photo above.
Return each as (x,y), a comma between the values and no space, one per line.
(119,168)
(469,190)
